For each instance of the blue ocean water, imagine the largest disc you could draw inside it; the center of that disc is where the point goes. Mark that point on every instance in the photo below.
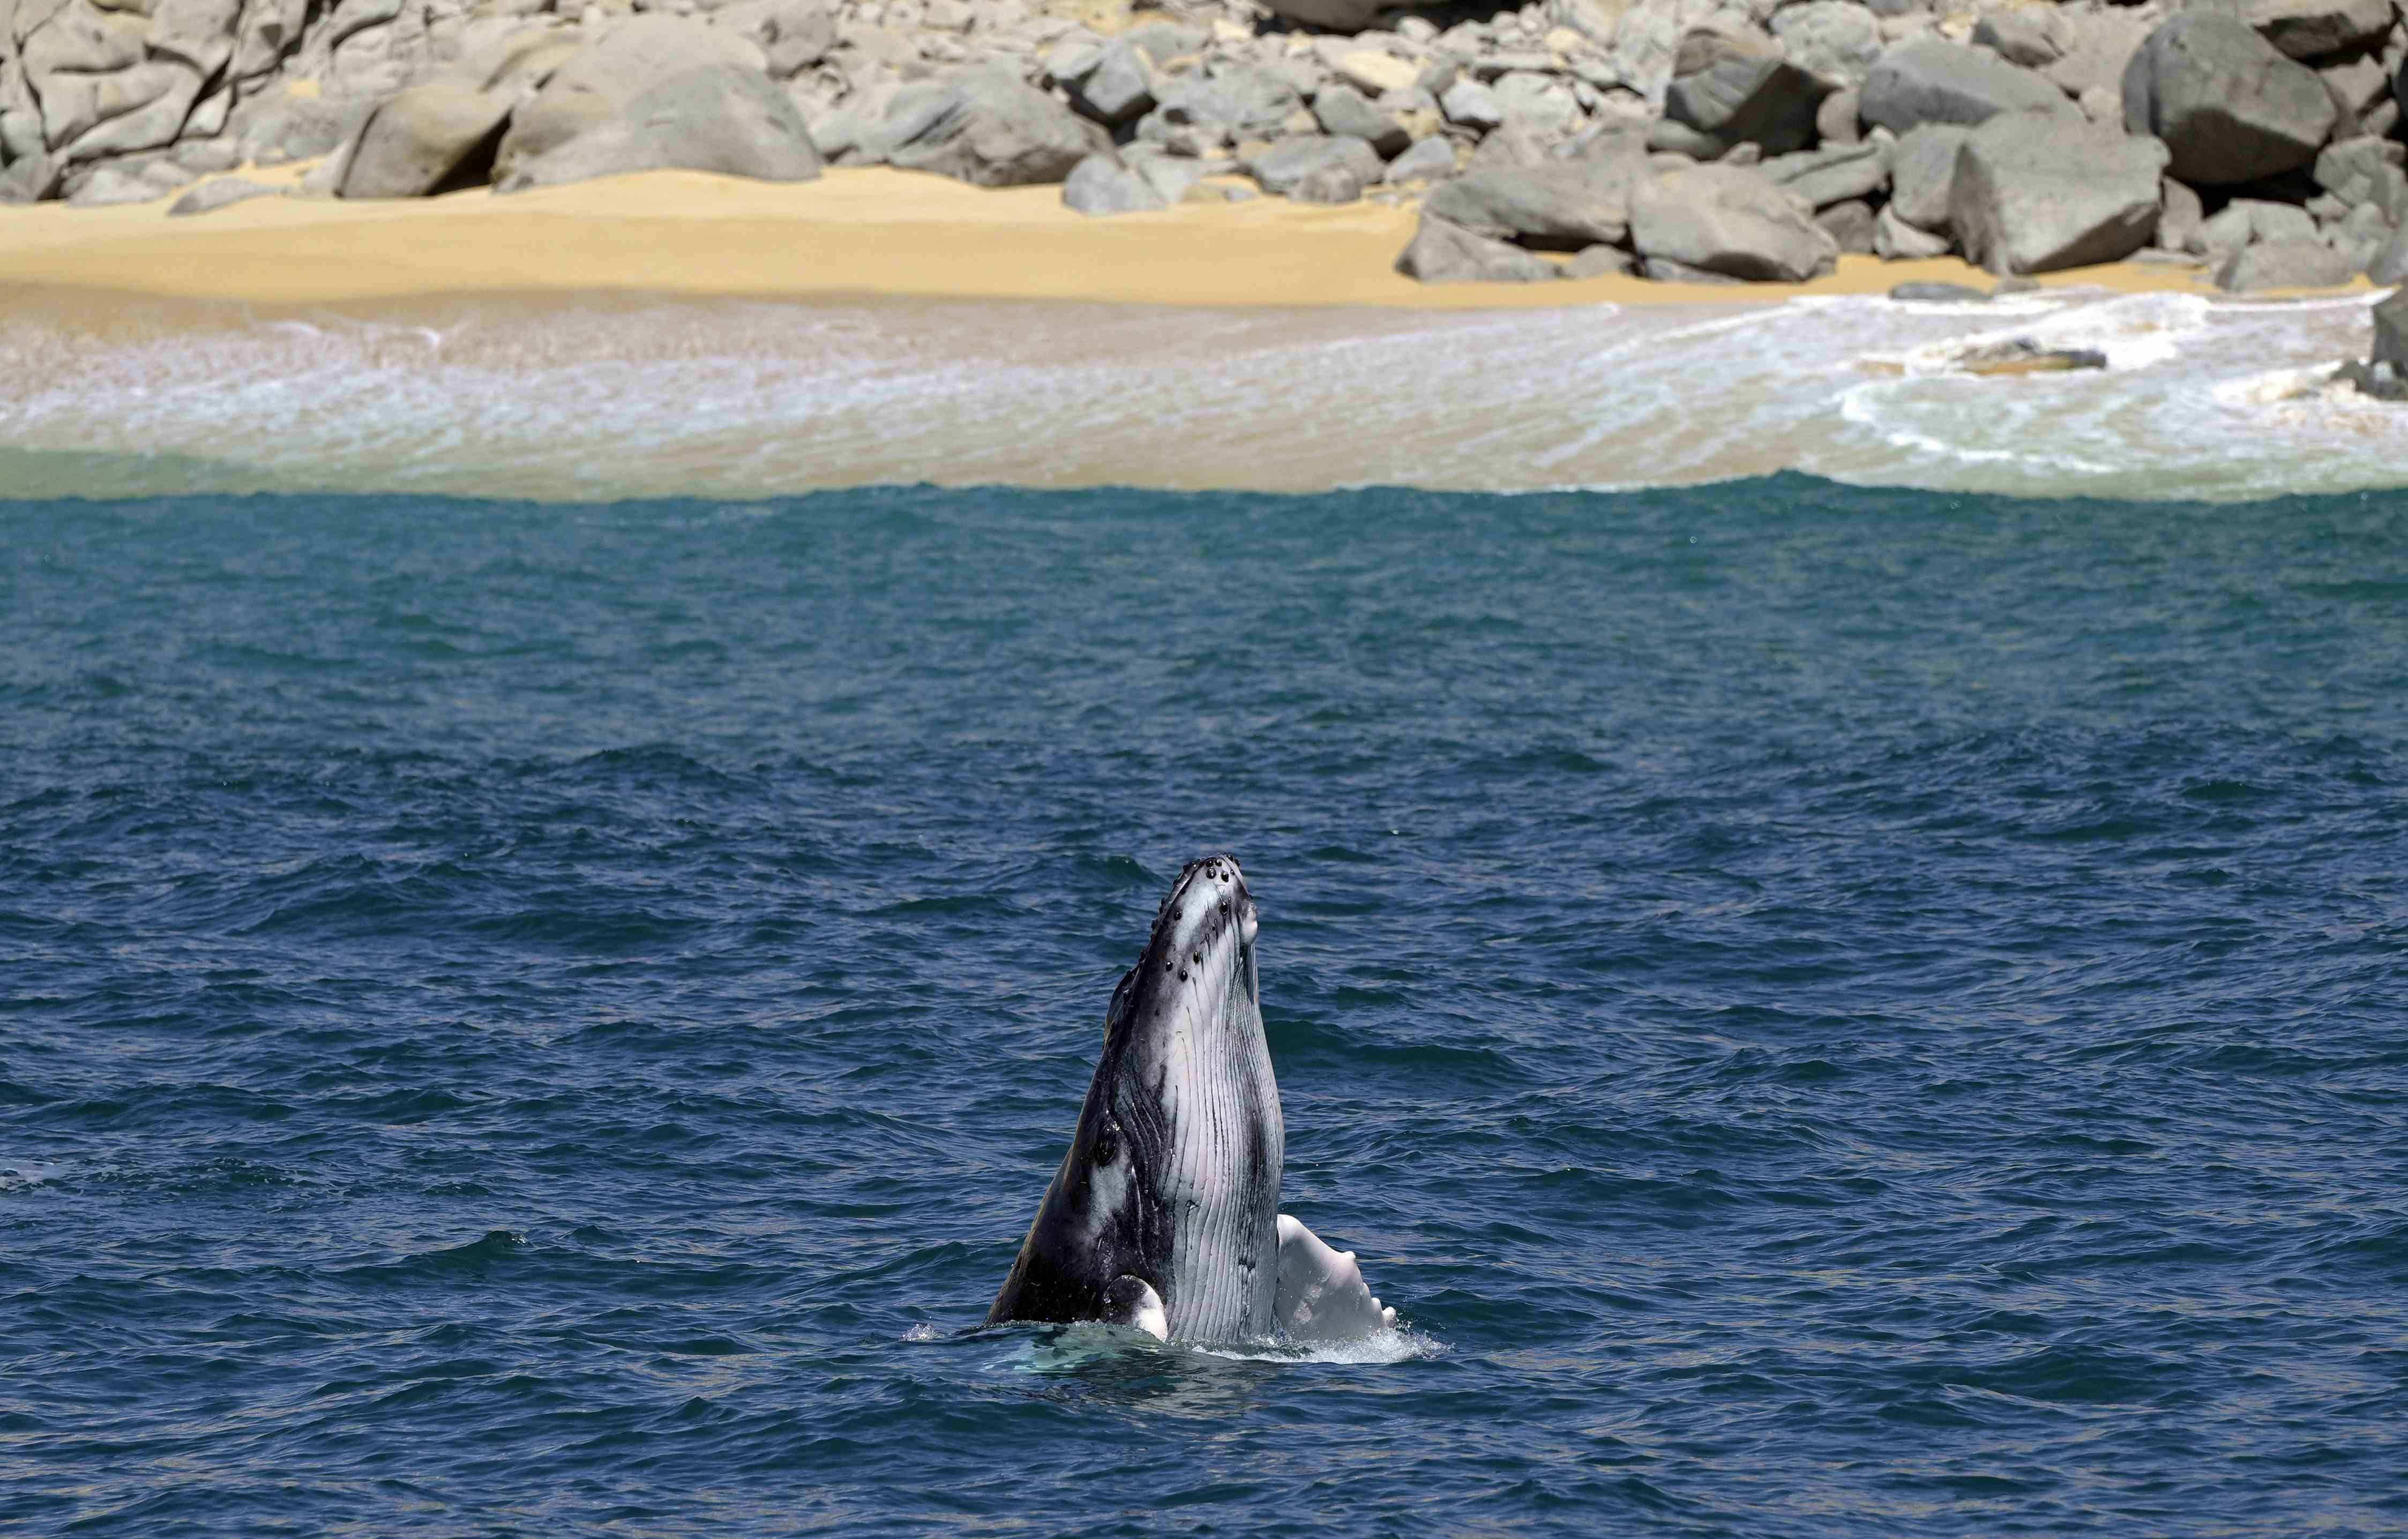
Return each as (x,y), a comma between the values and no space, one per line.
(1828,1011)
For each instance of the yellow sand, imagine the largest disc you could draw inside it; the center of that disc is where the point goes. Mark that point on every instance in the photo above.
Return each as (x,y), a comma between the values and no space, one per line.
(873,230)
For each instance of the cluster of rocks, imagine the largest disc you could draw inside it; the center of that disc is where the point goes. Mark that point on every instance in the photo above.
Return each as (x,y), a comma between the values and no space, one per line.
(1701,140)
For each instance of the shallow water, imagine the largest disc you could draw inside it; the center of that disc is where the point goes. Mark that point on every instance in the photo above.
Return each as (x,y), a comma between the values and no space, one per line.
(1828,1011)
(605,397)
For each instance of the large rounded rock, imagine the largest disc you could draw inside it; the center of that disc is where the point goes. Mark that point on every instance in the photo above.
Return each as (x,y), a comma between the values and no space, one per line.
(598,84)
(1102,185)
(2309,29)
(726,119)
(2035,192)
(1441,253)
(1560,204)
(1923,174)
(2227,106)
(1285,165)
(986,127)
(1736,88)
(1930,82)
(1729,220)
(2285,265)
(418,141)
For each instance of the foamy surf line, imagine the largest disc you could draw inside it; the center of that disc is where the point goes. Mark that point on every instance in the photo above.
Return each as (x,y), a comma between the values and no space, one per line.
(610,396)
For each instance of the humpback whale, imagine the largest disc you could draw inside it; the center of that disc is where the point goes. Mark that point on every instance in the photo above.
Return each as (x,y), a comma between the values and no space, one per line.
(1164,1213)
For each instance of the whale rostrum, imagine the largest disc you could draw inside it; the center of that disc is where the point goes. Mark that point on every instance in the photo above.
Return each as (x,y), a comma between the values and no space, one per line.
(1164,1213)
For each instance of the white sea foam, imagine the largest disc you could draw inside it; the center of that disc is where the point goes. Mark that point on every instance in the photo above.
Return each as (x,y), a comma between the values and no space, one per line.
(1077,1348)
(2202,397)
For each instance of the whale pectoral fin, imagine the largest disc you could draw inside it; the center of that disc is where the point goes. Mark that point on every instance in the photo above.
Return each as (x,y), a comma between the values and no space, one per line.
(1321,1295)
(1132,1300)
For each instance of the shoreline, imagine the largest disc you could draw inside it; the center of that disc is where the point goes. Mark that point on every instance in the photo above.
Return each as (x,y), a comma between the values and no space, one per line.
(852,233)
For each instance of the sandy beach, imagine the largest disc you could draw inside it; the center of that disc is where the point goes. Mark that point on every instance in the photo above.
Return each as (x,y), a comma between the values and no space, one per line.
(874,231)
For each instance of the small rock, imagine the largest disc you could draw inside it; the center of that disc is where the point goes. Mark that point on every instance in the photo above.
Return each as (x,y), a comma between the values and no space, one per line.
(1101,185)
(1852,225)
(1472,105)
(1376,73)
(1427,160)
(1923,174)
(1332,183)
(2391,335)
(2029,35)
(1289,162)
(1895,240)
(1836,121)
(2022,355)
(1667,270)
(1445,253)
(1599,261)
(1938,293)
(2309,29)
(1831,175)
(2283,264)
(1341,110)
(224,192)
(2180,215)
(1119,89)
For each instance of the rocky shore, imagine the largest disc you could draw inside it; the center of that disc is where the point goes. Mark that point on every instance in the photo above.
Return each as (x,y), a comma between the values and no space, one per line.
(1684,141)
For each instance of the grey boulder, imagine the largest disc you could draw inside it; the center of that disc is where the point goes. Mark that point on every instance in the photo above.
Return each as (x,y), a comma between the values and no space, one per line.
(2031,36)
(1100,184)
(1120,87)
(1345,110)
(2035,192)
(1833,173)
(1832,39)
(1737,89)
(1425,160)
(2309,29)
(1895,240)
(597,85)
(417,142)
(2285,265)
(723,120)
(2391,264)
(1852,225)
(2391,333)
(1291,161)
(1198,113)
(1446,253)
(986,127)
(1926,81)
(2227,106)
(1923,174)
(1563,206)
(1729,220)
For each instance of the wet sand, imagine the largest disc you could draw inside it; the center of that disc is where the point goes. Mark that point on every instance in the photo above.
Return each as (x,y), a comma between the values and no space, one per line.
(852,233)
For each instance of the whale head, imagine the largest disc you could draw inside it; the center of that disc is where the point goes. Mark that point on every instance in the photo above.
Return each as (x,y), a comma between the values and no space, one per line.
(1166,1203)
(1195,1101)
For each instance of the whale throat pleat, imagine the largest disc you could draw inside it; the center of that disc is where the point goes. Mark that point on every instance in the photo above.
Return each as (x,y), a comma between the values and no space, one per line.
(1223,1217)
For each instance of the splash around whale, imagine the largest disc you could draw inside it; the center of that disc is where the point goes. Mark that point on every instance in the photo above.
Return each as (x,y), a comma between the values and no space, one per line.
(1165,1214)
